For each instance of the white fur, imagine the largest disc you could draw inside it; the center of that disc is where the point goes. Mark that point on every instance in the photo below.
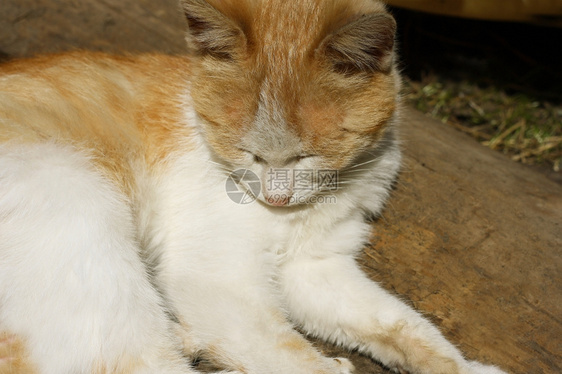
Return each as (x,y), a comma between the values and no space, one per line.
(74,282)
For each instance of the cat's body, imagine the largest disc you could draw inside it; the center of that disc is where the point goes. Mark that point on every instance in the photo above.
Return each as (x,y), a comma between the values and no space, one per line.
(121,250)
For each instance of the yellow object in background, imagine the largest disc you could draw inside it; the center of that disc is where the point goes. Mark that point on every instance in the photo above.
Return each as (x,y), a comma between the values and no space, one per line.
(546,12)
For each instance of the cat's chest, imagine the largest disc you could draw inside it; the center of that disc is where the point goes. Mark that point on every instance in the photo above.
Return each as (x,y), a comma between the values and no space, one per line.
(193,207)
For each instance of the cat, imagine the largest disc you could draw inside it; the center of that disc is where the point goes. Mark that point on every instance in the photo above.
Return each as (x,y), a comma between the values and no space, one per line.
(155,208)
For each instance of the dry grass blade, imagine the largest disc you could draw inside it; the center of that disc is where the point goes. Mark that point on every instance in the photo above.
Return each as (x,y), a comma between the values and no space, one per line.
(499,139)
(529,130)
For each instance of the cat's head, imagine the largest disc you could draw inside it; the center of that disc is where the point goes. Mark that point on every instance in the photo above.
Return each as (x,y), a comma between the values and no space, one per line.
(299,85)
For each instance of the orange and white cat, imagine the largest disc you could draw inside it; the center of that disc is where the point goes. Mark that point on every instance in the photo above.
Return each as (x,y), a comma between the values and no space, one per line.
(122,252)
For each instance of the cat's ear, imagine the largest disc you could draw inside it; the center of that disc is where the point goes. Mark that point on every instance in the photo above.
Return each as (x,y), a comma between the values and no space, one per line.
(363,45)
(210,32)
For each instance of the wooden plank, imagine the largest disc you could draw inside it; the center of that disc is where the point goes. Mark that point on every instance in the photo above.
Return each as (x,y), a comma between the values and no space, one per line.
(470,238)
(41,26)
(475,241)
(547,12)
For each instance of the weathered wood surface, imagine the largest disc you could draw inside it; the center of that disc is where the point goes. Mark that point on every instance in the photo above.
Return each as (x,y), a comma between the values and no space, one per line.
(41,26)
(469,238)
(475,241)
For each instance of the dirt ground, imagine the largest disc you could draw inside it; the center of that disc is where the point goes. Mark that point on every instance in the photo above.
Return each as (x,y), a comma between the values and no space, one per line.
(469,238)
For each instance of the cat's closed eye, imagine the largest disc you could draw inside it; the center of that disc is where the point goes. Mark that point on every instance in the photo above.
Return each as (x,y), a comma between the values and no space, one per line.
(263,160)
(252,156)
(258,159)
(303,157)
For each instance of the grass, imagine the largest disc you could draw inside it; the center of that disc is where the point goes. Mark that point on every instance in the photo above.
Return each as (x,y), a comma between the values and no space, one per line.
(497,81)
(525,128)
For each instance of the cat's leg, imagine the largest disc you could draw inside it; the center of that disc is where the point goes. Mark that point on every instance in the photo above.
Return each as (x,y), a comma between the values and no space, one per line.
(235,322)
(73,290)
(222,286)
(330,297)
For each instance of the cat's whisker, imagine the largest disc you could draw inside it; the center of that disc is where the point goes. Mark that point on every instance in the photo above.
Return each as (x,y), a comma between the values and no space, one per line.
(220,166)
(370,161)
(354,171)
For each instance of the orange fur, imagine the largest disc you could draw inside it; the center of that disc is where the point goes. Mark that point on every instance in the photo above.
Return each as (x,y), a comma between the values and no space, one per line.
(129,116)
(13,356)
(409,351)
(281,57)
(123,110)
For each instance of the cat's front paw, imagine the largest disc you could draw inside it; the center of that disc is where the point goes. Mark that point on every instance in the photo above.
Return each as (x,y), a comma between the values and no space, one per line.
(344,365)
(474,367)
